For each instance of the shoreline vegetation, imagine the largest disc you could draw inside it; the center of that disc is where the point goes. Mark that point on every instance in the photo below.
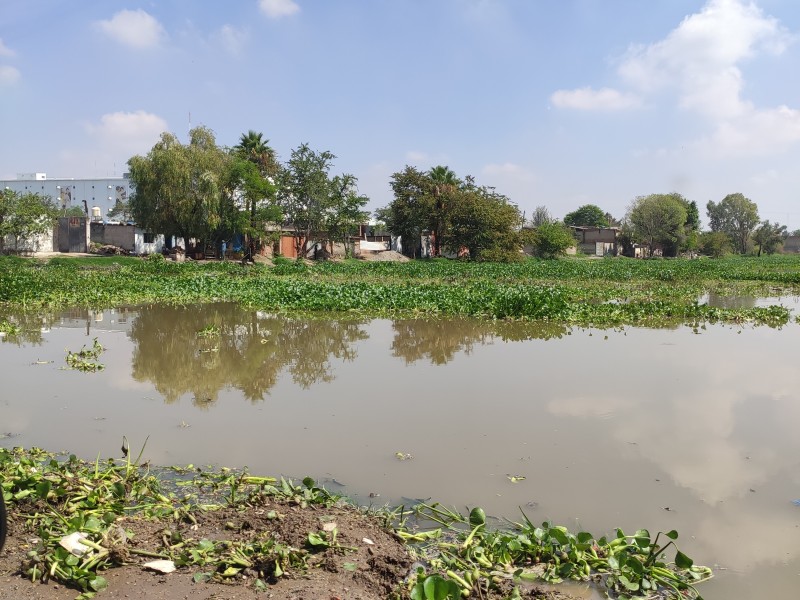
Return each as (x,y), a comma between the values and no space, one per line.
(79,524)
(582,292)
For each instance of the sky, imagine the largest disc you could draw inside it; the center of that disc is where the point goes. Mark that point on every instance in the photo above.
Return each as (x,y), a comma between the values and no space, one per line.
(555,103)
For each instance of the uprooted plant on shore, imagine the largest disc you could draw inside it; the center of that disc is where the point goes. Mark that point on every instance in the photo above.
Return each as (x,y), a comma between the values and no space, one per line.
(83,516)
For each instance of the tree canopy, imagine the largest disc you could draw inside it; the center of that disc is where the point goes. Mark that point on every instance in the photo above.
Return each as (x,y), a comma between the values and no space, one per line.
(770,237)
(736,216)
(659,220)
(318,206)
(24,216)
(461,215)
(588,215)
(183,190)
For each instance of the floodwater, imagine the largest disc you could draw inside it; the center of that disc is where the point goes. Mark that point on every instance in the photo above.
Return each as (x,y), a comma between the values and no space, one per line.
(694,430)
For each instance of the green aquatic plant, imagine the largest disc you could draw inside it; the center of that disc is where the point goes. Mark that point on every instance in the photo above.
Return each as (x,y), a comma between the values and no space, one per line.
(85,359)
(625,566)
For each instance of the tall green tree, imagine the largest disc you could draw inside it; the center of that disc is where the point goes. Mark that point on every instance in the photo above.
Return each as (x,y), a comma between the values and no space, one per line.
(658,220)
(411,211)
(691,227)
(23,216)
(769,237)
(588,215)
(736,216)
(321,208)
(345,210)
(485,223)
(182,189)
(445,187)
(255,173)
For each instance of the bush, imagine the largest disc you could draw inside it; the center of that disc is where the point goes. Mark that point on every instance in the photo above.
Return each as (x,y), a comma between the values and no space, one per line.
(552,240)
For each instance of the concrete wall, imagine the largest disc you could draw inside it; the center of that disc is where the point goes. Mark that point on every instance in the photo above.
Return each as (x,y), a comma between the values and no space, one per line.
(122,236)
(43,242)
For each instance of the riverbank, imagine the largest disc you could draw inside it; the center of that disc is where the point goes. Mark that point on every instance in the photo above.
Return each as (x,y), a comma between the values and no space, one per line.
(114,526)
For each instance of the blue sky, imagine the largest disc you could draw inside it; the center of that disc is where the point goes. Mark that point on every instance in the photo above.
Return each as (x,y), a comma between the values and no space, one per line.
(553,102)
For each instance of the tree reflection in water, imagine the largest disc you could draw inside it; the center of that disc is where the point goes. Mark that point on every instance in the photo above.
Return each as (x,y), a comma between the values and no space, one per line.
(439,340)
(245,350)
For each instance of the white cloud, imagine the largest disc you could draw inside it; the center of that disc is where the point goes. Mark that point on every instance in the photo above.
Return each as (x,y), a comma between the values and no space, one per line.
(700,62)
(232,39)
(5,50)
(590,99)
(275,9)
(700,57)
(134,28)
(9,75)
(753,133)
(127,133)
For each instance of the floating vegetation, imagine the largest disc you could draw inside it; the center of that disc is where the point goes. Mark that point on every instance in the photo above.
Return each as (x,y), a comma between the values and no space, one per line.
(209,331)
(602,293)
(8,328)
(85,359)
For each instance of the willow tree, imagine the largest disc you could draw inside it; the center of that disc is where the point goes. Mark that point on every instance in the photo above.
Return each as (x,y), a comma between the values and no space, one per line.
(183,189)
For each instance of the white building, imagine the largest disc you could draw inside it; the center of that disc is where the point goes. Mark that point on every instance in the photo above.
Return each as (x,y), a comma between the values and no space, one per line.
(100,195)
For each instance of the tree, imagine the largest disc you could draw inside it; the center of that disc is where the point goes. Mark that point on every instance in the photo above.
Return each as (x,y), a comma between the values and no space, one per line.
(588,215)
(182,190)
(714,244)
(345,211)
(736,216)
(24,216)
(304,191)
(658,220)
(484,223)
(445,186)
(769,237)
(410,213)
(541,216)
(256,170)
(691,227)
(552,240)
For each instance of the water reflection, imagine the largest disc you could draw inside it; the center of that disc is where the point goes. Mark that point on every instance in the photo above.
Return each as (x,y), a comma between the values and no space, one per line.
(242,349)
(440,340)
(608,427)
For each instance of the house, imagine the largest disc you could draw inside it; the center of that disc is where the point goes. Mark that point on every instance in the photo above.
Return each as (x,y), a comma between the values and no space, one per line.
(792,244)
(128,237)
(597,241)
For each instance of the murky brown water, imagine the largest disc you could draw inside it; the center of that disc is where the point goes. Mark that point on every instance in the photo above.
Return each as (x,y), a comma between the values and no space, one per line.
(609,428)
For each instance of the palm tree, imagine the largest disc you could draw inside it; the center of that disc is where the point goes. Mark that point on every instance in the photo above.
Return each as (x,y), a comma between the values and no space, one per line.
(256,149)
(445,184)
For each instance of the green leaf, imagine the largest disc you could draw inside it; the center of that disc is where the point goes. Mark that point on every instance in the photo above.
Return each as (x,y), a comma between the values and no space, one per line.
(629,585)
(682,561)
(43,489)
(672,534)
(584,537)
(438,588)
(477,516)
(348,566)
(201,577)
(308,482)
(98,583)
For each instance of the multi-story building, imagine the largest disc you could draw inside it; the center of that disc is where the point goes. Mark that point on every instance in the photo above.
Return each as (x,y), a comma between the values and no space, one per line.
(96,197)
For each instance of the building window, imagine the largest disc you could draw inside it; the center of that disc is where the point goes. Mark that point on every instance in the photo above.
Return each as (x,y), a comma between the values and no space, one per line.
(149,238)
